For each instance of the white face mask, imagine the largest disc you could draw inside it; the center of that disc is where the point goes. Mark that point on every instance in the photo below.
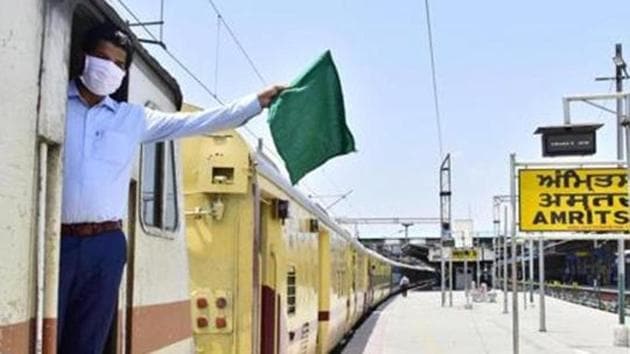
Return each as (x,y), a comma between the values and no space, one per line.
(102,77)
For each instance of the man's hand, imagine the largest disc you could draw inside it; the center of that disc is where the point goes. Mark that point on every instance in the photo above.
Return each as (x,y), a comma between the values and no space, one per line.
(269,94)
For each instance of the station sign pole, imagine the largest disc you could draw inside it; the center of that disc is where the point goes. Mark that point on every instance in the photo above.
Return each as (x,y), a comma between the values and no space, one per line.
(466,280)
(620,66)
(479,252)
(505,261)
(442,273)
(523,276)
(515,339)
(494,260)
(531,272)
(450,280)
(541,282)
(626,125)
(496,243)
(445,222)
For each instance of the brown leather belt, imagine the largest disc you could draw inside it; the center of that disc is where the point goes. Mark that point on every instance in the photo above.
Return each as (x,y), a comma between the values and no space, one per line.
(89,228)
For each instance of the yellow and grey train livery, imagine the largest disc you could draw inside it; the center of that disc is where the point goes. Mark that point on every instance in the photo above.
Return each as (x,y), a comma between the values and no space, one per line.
(270,271)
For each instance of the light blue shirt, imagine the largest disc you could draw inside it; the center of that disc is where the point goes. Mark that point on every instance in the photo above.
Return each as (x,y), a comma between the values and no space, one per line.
(101,143)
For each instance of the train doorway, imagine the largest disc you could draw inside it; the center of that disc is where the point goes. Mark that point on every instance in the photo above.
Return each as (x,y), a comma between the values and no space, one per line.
(83,19)
(270,299)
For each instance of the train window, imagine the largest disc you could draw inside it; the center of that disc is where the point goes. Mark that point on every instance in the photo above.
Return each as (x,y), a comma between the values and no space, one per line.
(291,291)
(158,207)
(151,182)
(170,208)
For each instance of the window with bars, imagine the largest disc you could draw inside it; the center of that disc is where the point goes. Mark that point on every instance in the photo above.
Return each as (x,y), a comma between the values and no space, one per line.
(291,291)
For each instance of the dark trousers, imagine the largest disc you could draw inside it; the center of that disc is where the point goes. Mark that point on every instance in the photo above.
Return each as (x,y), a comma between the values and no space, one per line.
(89,277)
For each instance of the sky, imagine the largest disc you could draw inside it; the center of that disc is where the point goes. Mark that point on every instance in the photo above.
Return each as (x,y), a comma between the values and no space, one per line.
(502,69)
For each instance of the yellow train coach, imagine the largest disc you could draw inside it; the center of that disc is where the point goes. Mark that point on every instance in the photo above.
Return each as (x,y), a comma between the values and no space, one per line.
(270,272)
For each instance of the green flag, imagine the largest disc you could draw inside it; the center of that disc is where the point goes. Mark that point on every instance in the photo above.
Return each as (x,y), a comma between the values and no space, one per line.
(308,120)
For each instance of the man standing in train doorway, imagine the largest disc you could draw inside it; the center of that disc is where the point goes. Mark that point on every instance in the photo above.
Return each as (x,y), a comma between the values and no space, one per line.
(101,140)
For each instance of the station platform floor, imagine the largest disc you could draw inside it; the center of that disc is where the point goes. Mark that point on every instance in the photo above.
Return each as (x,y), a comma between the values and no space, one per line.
(418,324)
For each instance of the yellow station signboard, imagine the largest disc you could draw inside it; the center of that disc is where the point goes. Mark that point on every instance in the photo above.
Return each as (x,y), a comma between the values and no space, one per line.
(585,199)
(464,254)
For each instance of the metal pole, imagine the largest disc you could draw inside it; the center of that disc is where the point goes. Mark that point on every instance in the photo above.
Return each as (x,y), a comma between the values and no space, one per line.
(523,276)
(450,279)
(494,262)
(619,68)
(531,271)
(541,281)
(466,278)
(515,346)
(41,248)
(505,261)
(443,273)
(406,226)
(450,231)
(479,254)
(621,259)
(496,211)
(445,219)
(622,299)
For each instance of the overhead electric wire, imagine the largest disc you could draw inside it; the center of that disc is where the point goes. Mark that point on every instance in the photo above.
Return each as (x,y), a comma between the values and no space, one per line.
(171,55)
(216,58)
(189,71)
(262,80)
(213,94)
(433,75)
(238,43)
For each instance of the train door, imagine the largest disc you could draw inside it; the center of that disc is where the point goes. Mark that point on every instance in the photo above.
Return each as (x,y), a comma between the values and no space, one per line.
(346,275)
(353,286)
(271,285)
(324,291)
(370,282)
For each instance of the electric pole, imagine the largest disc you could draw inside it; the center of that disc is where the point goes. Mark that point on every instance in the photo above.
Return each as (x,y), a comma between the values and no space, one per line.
(621,74)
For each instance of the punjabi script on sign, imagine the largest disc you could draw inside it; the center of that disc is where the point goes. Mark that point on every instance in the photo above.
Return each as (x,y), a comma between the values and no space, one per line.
(574,200)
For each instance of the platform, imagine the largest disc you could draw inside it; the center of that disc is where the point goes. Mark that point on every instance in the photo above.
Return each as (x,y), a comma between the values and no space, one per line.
(418,324)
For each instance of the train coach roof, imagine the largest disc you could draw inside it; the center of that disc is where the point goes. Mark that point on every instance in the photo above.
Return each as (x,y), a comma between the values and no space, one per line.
(140,50)
(270,171)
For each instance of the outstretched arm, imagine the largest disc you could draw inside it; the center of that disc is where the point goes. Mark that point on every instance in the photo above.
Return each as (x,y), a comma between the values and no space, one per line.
(165,125)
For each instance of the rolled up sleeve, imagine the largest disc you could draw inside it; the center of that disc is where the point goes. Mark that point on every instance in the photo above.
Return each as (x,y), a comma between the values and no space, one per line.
(166,126)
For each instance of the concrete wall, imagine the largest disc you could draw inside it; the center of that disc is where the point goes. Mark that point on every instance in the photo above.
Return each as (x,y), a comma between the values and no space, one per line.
(20,49)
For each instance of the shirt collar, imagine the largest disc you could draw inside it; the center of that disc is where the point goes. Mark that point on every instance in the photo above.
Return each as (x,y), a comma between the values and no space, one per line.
(73,92)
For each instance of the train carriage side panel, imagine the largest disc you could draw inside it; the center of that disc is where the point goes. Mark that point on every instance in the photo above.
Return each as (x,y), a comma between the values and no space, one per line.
(156,291)
(220,217)
(339,299)
(296,282)
(358,287)
(380,279)
(350,284)
(273,269)
(324,343)
(299,234)
(361,283)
